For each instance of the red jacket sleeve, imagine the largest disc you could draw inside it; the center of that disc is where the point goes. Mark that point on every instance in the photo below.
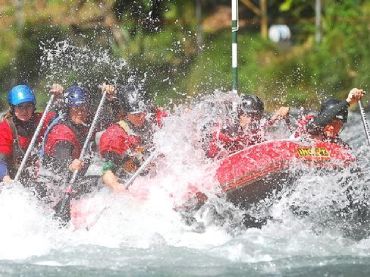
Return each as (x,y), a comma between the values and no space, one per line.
(6,138)
(6,134)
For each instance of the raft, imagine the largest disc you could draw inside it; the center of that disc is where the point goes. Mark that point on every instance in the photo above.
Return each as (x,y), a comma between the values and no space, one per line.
(251,174)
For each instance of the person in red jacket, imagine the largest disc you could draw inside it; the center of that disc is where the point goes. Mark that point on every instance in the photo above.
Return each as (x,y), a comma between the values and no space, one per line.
(248,131)
(16,131)
(65,137)
(330,120)
(125,144)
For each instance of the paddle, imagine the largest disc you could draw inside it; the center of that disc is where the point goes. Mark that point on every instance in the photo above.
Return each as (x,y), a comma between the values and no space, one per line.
(289,125)
(364,121)
(34,138)
(140,169)
(62,208)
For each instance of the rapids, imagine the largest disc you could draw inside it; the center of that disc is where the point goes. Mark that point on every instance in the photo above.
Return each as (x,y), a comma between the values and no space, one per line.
(144,236)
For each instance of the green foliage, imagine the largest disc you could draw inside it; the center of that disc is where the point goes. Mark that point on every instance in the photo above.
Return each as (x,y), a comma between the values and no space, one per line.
(286,5)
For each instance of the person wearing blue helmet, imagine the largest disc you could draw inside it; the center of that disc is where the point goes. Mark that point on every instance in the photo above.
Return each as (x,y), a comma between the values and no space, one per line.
(17,127)
(64,139)
(62,146)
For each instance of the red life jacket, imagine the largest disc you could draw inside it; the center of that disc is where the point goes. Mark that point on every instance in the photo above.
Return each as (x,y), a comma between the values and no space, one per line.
(118,138)
(13,145)
(64,132)
(302,131)
(231,143)
(302,125)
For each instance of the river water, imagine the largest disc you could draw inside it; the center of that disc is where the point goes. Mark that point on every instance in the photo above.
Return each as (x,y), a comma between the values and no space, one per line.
(140,234)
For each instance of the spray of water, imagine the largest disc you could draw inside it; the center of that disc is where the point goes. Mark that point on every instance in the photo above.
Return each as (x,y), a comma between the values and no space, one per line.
(311,217)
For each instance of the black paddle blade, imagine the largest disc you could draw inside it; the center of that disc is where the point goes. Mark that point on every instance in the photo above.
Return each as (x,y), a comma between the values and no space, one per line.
(63,210)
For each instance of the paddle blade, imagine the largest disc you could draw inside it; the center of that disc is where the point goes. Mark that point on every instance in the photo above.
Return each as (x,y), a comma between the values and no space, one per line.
(63,209)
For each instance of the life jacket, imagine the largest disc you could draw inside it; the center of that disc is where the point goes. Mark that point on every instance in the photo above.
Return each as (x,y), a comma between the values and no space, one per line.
(19,147)
(131,144)
(15,150)
(119,138)
(302,125)
(303,133)
(136,152)
(64,130)
(232,139)
(53,122)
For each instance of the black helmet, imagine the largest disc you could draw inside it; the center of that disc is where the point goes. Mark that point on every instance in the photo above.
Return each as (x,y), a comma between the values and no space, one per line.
(329,104)
(251,104)
(131,99)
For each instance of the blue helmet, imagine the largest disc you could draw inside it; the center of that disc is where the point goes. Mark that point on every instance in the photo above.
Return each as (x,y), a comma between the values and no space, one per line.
(76,96)
(21,94)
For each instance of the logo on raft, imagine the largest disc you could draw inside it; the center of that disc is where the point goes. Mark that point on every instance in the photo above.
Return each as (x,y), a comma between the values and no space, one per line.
(319,152)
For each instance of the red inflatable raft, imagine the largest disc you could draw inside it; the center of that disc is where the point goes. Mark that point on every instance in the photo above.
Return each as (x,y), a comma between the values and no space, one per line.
(247,176)
(251,174)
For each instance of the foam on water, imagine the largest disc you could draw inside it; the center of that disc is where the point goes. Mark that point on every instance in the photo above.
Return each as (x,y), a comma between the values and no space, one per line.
(147,221)
(27,229)
(128,231)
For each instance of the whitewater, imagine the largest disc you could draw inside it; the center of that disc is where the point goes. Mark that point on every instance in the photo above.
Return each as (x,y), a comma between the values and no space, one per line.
(139,233)
(136,235)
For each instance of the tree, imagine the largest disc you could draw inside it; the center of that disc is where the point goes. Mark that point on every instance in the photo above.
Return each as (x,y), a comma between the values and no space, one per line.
(261,12)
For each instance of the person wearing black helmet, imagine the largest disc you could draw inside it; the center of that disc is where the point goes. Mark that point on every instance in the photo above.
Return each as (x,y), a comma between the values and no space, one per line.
(125,144)
(17,128)
(330,119)
(248,131)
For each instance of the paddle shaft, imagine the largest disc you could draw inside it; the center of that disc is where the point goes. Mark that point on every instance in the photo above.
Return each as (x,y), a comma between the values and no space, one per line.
(89,135)
(68,194)
(364,121)
(34,138)
(140,169)
(289,125)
